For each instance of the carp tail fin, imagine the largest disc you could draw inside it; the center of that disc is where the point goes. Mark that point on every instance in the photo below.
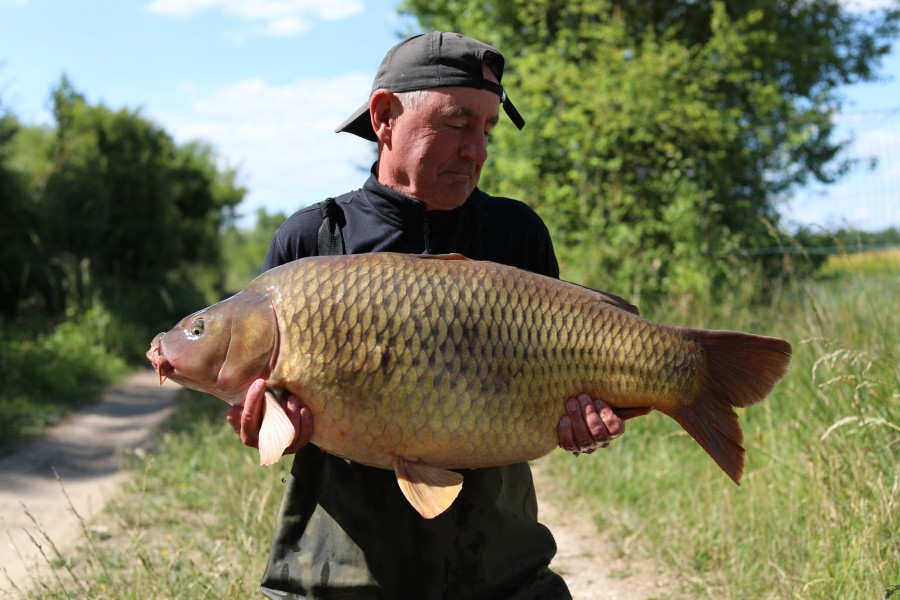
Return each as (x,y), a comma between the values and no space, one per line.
(430,490)
(276,432)
(741,370)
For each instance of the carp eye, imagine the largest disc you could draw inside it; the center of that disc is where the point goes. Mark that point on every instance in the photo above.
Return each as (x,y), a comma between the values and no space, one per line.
(196,329)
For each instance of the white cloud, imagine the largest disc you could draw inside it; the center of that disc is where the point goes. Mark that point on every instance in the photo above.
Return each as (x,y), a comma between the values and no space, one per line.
(867,5)
(280,17)
(875,142)
(287,26)
(867,198)
(281,138)
(181,8)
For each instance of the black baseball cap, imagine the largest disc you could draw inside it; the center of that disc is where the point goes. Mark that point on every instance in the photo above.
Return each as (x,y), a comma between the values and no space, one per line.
(432,60)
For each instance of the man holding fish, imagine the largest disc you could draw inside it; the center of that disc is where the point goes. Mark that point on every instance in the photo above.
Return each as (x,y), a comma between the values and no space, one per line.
(344,529)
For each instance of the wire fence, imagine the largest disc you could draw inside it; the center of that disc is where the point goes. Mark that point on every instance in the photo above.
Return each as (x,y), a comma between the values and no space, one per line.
(820,250)
(868,197)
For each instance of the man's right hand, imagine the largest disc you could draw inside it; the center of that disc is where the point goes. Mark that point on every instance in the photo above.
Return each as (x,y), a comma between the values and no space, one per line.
(246,417)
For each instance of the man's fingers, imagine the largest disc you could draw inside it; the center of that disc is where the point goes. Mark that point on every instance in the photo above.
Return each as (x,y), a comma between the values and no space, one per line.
(301,417)
(582,429)
(251,417)
(586,423)
(597,420)
(564,433)
(613,424)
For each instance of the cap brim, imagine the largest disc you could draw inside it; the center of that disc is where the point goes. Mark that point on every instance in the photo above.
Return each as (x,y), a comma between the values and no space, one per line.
(359,123)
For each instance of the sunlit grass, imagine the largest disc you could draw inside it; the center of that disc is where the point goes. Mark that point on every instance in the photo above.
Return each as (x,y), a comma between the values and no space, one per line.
(874,262)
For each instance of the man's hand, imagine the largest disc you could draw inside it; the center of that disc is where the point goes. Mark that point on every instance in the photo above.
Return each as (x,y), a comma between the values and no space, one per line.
(590,424)
(246,417)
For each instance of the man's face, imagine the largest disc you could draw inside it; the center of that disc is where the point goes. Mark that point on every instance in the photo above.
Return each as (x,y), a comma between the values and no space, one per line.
(438,147)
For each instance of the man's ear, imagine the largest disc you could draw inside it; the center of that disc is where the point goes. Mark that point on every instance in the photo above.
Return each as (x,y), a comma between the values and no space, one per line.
(380,111)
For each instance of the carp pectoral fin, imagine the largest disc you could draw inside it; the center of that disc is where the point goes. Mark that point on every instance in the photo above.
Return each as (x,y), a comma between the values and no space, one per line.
(276,432)
(430,490)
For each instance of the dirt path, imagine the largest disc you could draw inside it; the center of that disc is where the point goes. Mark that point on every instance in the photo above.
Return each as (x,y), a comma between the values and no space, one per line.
(84,452)
(590,562)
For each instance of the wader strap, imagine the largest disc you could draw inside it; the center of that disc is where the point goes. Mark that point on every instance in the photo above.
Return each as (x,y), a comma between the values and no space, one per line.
(331,242)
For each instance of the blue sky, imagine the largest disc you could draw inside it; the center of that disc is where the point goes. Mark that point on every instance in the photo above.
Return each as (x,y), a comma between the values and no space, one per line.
(266,81)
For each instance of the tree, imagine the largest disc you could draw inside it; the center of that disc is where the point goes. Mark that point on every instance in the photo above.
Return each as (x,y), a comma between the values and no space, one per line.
(245,249)
(18,224)
(663,134)
(123,212)
(123,194)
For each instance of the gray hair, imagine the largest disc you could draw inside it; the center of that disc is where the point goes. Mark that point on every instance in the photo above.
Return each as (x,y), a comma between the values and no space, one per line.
(412,99)
(408,101)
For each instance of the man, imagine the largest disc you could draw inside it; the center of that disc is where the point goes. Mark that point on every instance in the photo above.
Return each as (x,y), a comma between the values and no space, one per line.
(345,530)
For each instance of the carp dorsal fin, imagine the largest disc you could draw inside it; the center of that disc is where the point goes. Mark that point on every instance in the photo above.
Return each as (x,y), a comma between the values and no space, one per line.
(430,490)
(276,432)
(619,302)
(451,256)
(611,299)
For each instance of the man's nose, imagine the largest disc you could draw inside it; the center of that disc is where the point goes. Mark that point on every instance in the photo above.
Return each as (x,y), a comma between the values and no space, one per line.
(475,148)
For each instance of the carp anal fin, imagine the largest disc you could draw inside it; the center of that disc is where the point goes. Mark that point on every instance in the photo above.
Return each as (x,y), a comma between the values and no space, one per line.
(276,432)
(430,490)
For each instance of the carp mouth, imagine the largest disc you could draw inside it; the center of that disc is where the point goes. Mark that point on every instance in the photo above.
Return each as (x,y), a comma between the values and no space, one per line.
(160,363)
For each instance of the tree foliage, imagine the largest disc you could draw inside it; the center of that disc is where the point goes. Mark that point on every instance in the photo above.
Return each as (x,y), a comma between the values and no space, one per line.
(105,204)
(661,135)
(17,221)
(244,249)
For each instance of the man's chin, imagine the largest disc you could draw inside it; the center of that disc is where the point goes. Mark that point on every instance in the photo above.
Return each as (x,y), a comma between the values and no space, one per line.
(446,203)
(454,194)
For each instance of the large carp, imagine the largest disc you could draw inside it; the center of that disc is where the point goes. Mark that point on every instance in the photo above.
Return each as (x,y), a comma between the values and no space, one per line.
(423,364)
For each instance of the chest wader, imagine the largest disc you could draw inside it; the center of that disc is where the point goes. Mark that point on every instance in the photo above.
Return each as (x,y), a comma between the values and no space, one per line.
(345,531)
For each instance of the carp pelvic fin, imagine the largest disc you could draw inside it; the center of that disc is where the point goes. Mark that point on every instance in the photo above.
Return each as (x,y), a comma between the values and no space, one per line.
(276,432)
(430,490)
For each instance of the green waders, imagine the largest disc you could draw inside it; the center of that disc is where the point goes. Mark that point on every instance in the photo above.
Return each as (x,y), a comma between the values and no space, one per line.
(346,531)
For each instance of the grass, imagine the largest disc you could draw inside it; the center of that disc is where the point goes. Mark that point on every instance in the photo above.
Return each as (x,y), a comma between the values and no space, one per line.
(818,512)
(816,517)
(876,262)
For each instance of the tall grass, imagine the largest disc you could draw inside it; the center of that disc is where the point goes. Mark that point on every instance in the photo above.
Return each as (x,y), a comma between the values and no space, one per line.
(818,512)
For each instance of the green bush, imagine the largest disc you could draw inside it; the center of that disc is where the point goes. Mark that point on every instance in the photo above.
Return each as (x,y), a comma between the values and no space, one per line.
(46,374)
